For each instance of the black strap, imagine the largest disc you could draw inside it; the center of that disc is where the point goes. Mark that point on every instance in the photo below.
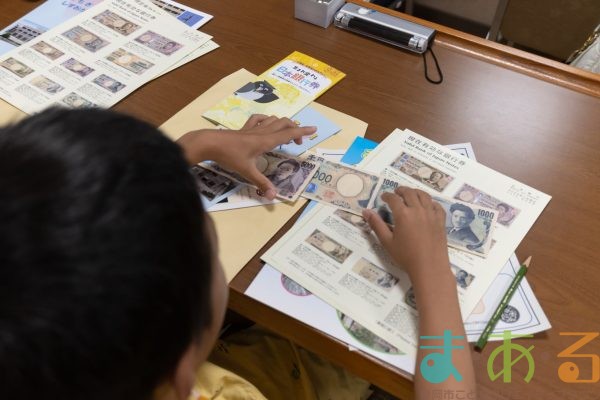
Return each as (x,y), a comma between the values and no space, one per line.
(437,66)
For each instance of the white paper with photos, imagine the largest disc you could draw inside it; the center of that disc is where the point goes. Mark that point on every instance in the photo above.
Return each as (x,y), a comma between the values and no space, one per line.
(332,255)
(97,57)
(461,171)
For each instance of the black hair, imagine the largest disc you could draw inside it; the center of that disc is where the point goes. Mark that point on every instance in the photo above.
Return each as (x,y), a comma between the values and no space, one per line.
(105,261)
(292,162)
(466,209)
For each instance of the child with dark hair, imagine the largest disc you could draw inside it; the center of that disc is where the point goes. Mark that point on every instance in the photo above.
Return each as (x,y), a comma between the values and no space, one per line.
(110,286)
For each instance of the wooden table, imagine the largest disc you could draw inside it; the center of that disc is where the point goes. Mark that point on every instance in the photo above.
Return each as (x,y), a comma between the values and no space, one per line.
(532,119)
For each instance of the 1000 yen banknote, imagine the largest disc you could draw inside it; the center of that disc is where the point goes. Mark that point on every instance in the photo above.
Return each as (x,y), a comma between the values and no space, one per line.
(341,186)
(469,194)
(289,174)
(468,227)
(422,172)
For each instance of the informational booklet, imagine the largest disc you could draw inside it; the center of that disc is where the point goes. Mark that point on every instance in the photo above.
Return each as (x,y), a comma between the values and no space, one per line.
(334,255)
(97,57)
(283,90)
(54,12)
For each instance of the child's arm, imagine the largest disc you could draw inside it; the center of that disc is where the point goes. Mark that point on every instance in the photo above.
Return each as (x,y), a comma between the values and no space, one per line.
(237,150)
(418,244)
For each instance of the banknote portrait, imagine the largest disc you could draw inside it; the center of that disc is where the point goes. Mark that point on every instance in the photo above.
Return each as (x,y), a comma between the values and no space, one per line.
(74,100)
(129,61)
(85,39)
(374,274)
(352,219)
(116,22)
(210,184)
(463,278)
(287,177)
(47,51)
(16,67)
(469,194)
(108,83)
(422,172)
(328,246)
(46,85)
(260,92)
(158,43)
(365,336)
(77,67)
(293,287)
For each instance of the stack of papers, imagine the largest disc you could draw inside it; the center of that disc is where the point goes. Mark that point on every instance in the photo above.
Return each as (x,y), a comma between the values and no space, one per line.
(332,253)
(95,54)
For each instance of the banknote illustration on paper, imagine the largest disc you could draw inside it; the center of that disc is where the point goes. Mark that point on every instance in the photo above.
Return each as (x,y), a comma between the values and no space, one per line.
(329,246)
(85,39)
(468,227)
(129,61)
(374,274)
(341,186)
(365,336)
(212,186)
(47,51)
(158,43)
(506,212)
(116,22)
(289,174)
(463,278)
(422,172)
(353,219)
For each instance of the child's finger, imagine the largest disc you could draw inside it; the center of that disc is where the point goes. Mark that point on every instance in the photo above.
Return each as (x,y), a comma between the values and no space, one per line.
(264,185)
(381,229)
(254,120)
(424,198)
(409,195)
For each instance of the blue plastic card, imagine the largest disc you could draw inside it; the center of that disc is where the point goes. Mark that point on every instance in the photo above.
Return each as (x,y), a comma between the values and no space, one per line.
(309,117)
(358,150)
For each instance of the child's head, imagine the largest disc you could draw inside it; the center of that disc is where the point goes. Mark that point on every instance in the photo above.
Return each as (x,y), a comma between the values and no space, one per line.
(109,281)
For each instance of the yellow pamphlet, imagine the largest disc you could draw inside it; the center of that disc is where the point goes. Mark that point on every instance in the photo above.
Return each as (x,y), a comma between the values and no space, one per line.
(283,90)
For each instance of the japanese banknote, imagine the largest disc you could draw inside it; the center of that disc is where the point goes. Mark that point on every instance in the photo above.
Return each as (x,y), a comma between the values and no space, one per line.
(341,186)
(469,227)
(289,174)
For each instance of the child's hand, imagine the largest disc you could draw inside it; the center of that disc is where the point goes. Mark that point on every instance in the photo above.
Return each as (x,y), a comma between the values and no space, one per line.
(418,240)
(237,150)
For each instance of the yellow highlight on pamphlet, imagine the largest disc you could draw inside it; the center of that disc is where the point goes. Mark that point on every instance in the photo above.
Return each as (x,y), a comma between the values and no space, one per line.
(283,90)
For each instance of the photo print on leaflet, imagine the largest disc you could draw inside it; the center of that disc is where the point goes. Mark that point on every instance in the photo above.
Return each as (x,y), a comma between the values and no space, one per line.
(158,43)
(328,246)
(365,336)
(85,39)
(77,67)
(260,92)
(116,23)
(47,51)
(16,67)
(374,274)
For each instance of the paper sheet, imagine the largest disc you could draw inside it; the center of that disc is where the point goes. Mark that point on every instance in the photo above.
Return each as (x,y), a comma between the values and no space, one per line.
(243,232)
(96,58)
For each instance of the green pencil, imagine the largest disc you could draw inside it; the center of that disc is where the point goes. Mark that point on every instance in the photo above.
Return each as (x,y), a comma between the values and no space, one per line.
(483,339)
